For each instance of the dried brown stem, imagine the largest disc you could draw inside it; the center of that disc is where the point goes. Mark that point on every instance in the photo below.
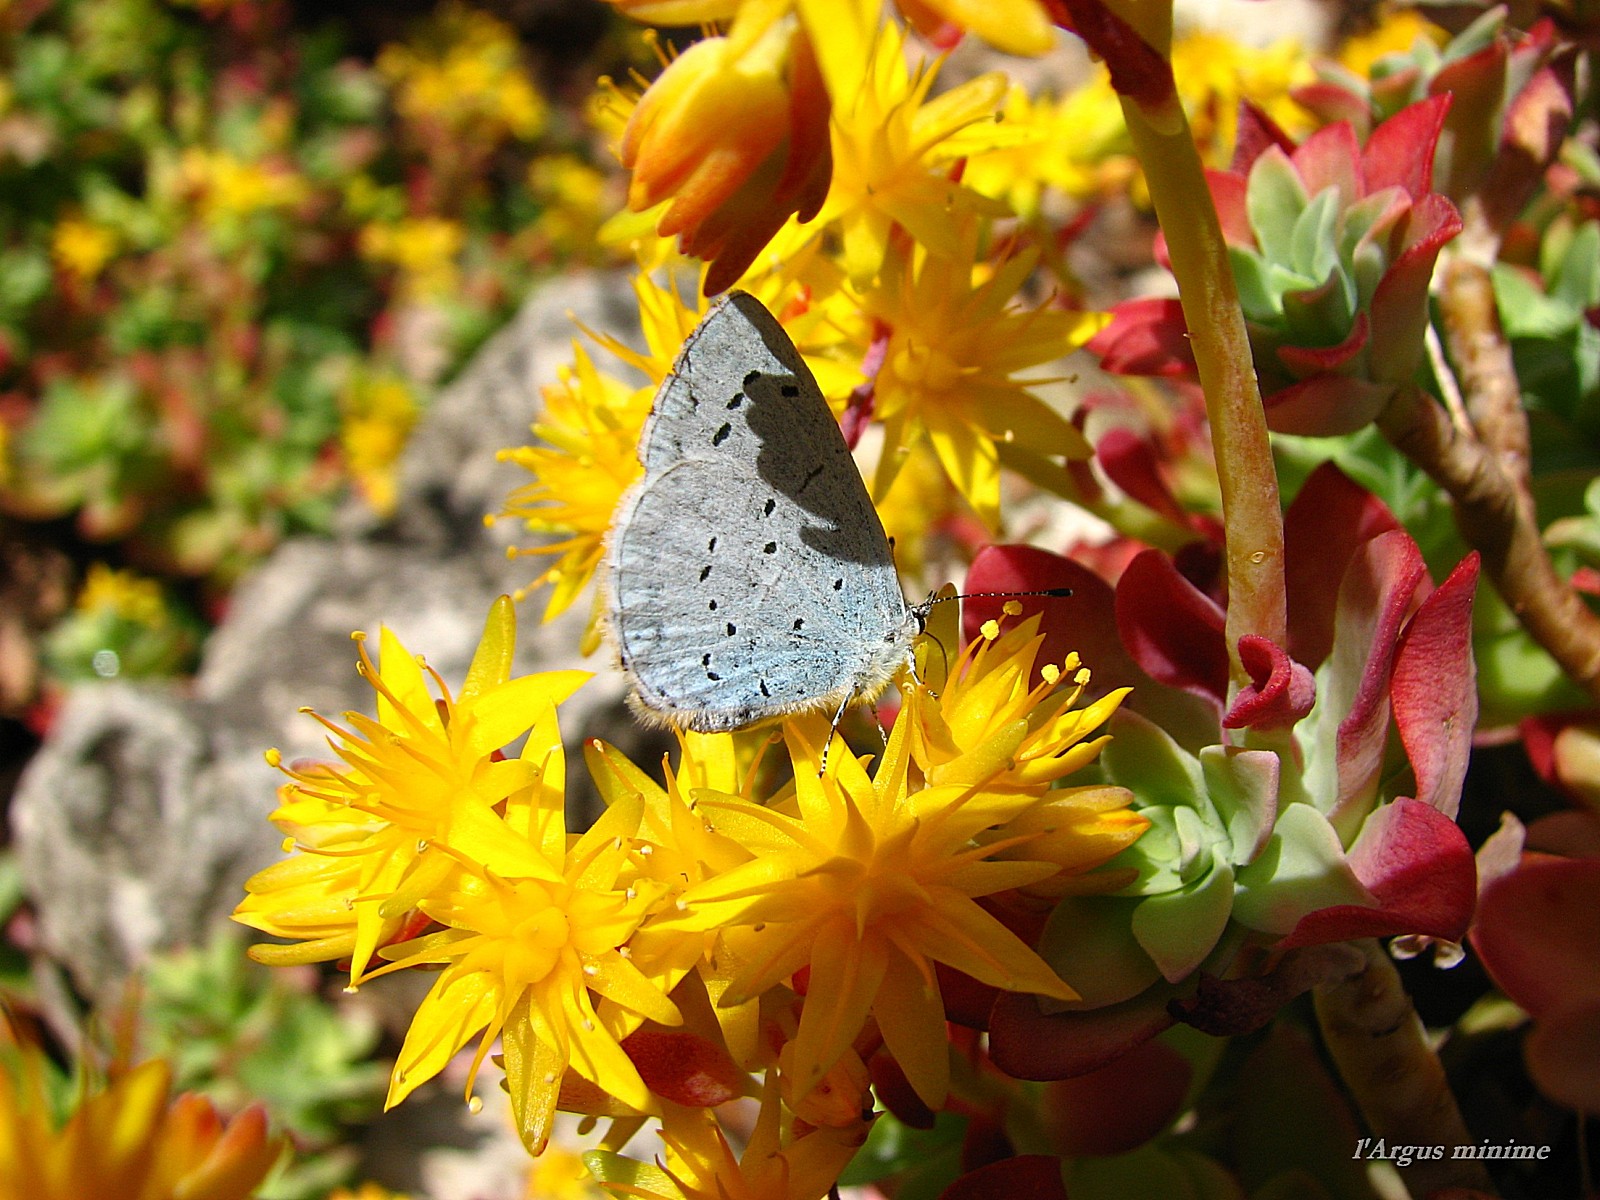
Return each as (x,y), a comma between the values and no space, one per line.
(1381,1050)
(1486,475)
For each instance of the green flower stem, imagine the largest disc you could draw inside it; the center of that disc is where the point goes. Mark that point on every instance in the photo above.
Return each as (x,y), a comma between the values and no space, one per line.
(1250,505)
(1484,471)
(1381,1050)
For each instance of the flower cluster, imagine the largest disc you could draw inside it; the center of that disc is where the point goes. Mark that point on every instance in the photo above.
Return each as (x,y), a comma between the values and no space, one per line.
(701,932)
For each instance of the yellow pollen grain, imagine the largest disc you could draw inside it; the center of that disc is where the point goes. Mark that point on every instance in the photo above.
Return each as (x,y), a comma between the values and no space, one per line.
(1050,672)
(274,757)
(475,1105)
(1012,608)
(990,630)
(1082,678)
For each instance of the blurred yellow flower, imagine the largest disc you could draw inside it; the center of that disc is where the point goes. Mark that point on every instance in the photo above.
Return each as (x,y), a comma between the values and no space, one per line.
(1396,32)
(124,594)
(376,415)
(126,1138)
(573,201)
(82,248)
(424,249)
(465,70)
(227,187)
(1214,73)
(367,1191)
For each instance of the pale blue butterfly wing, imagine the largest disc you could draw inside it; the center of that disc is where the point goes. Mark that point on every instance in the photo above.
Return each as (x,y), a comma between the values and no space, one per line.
(749,575)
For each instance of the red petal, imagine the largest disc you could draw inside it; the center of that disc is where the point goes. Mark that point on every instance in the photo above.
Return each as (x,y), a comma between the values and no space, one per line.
(1434,689)
(1329,519)
(1281,691)
(1417,863)
(1172,629)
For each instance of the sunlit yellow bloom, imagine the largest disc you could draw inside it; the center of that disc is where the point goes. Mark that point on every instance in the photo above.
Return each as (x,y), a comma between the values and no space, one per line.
(425,249)
(228,187)
(783,1160)
(734,133)
(124,594)
(422,776)
(465,71)
(890,164)
(376,416)
(82,248)
(997,714)
(949,374)
(532,928)
(1396,32)
(868,883)
(129,1138)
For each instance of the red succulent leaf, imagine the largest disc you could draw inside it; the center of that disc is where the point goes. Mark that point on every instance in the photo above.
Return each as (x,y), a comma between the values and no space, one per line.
(1434,688)
(1130,462)
(1119,1107)
(684,1067)
(1537,929)
(1256,132)
(1379,592)
(1027,1043)
(1328,521)
(894,1092)
(1230,1007)
(1477,86)
(1173,629)
(1280,692)
(1331,157)
(1034,1175)
(1305,361)
(1563,1055)
(1137,69)
(1145,337)
(1533,130)
(1332,102)
(1418,866)
(1326,405)
(1400,301)
(1399,152)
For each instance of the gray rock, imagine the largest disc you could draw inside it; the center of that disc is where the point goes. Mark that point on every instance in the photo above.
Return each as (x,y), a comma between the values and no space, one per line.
(145,810)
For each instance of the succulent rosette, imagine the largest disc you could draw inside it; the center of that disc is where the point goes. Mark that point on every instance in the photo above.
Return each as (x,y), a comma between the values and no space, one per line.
(1332,244)
(1277,823)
